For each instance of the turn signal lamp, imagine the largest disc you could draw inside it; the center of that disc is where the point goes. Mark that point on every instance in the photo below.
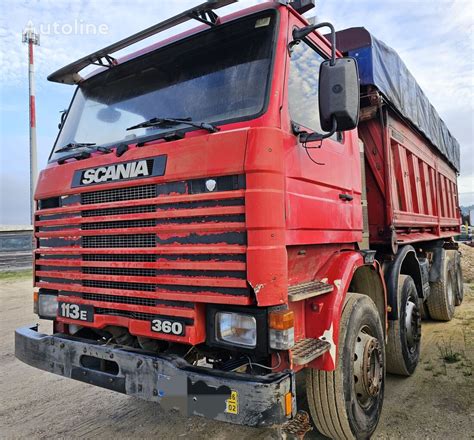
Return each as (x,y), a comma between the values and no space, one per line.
(281,325)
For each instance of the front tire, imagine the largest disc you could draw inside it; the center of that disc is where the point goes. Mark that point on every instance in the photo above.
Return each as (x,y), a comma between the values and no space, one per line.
(404,334)
(347,402)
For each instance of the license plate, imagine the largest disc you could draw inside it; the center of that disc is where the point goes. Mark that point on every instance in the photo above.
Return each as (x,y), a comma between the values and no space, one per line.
(78,312)
(168,326)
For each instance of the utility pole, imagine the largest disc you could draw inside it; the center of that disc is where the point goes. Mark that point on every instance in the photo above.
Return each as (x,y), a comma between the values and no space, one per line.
(31,38)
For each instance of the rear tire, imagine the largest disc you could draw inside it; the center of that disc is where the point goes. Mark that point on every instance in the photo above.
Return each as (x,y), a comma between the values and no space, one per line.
(424,313)
(441,300)
(459,294)
(347,402)
(404,334)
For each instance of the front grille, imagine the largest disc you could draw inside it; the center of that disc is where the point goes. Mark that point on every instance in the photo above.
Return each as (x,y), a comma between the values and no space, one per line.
(119,241)
(121,194)
(189,244)
(140,258)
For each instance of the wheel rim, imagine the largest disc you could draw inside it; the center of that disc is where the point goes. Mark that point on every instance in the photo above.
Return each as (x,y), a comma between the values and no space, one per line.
(412,324)
(368,367)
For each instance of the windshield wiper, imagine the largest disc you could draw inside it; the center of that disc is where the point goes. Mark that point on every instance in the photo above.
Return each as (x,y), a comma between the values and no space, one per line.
(74,146)
(78,156)
(170,122)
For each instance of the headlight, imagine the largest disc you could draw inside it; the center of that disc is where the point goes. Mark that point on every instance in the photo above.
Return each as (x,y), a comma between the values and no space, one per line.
(47,305)
(236,328)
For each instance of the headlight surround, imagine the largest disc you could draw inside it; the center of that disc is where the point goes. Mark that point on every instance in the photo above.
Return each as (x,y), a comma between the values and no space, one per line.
(236,328)
(47,305)
(214,333)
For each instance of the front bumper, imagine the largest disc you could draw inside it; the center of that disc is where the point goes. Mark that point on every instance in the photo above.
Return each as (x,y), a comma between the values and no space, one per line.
(230,397)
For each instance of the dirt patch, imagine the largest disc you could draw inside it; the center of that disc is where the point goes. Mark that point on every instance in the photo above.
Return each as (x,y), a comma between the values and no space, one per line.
(467,262)
(435,403)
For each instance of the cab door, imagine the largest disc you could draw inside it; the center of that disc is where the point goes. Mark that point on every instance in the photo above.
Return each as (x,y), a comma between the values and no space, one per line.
(323,181)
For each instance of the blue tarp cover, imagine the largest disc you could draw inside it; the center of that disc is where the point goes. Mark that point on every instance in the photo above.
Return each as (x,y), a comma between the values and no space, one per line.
(381,66)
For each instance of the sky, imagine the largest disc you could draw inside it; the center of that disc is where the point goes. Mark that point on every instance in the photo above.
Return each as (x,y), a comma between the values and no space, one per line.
(434,38)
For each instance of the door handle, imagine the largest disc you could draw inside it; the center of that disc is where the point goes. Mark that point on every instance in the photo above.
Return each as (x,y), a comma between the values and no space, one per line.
(346,197)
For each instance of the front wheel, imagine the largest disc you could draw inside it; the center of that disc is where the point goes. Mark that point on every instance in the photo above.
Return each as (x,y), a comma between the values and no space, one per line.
(347,402)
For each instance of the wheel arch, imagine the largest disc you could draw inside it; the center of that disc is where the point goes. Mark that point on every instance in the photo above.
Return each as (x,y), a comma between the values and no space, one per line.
(405,262)
(367,281)
(322,313)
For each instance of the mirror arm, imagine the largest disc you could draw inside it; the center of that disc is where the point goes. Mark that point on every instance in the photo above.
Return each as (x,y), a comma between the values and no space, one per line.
(313,137)
(300,34)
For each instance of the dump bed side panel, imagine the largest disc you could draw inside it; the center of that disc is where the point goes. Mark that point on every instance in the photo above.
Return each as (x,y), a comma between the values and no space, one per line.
(412,191)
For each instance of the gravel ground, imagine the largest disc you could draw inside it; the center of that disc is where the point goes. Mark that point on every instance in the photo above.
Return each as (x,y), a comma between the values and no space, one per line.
(435,403)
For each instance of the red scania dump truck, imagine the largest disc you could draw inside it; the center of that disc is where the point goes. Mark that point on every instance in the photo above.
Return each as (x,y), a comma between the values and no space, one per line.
(236,204)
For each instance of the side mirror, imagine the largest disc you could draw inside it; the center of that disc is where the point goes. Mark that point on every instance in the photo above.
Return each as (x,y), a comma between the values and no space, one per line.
(339,94)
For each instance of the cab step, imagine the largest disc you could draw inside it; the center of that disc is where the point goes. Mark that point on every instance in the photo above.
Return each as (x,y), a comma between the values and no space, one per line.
(306,350)
(297,427)
(299,292)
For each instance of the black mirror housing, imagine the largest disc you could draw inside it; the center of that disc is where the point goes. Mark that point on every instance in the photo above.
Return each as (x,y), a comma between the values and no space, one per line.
(339,94)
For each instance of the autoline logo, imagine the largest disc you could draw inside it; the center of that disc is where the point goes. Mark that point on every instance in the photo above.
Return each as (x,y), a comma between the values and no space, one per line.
(129,170)
(138,169)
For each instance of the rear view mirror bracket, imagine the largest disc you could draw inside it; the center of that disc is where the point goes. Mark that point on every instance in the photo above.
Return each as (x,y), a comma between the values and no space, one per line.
(301,34)
(305,137)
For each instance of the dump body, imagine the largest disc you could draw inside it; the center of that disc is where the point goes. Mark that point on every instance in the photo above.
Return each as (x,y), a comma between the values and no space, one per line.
(412,191)
(411,157)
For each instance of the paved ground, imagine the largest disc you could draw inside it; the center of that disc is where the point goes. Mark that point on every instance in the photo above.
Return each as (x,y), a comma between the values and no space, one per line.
(435,403)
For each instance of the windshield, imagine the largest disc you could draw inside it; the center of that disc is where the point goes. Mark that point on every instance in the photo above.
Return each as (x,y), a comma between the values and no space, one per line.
(220,75)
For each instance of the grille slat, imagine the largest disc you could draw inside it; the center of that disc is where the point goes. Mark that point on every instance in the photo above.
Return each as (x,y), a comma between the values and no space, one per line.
(139,315)
(119,224)
(150,302)
(124,285)
(119,211)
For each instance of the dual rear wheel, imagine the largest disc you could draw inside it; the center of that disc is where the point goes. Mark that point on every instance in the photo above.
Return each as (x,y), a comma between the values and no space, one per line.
(404,334)
(447,292)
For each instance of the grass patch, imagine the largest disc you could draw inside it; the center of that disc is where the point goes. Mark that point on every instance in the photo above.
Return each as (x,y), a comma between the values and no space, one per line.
(447,352)
(12,275)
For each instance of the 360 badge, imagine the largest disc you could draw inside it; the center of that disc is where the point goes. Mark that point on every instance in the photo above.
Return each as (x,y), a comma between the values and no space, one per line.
(168,326)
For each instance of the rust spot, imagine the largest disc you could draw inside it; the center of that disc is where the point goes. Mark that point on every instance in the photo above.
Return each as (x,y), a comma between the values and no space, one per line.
(257,288)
